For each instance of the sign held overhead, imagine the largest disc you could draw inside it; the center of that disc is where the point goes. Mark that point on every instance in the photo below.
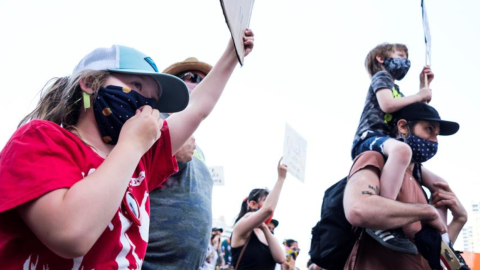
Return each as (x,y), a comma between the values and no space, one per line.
(295,153)
(237,16)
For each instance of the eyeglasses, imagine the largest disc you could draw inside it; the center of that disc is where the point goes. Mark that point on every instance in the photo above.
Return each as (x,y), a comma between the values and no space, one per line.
(294,251)
(131,208)
(190,76)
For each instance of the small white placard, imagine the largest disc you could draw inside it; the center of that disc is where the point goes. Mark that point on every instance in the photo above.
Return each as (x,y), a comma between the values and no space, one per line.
(295,153)
(218,175)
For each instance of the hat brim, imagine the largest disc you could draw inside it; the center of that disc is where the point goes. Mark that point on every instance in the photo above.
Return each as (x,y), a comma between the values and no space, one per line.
(186,66)
(447,128)
(174,96)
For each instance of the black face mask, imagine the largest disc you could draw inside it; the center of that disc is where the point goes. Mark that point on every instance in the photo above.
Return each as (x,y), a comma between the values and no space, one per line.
(113,106)
(422,150)
(397,67)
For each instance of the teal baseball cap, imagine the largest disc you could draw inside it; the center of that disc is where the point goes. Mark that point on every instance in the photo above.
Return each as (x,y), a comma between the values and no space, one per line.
(122,59)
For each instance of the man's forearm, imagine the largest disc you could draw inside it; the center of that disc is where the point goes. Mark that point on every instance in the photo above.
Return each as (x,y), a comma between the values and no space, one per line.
(365,208)
(376,212)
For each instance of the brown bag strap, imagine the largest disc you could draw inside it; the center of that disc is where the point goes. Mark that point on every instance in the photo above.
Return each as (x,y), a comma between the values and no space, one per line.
(243,250)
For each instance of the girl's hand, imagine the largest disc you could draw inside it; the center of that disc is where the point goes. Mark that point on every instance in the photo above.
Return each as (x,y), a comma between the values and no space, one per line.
(248,41)
(143,129)
(444,196)
(282,170)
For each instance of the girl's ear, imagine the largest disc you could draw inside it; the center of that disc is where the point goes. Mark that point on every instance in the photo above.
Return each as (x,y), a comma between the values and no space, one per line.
(86,85)
(252,205)
(380,59)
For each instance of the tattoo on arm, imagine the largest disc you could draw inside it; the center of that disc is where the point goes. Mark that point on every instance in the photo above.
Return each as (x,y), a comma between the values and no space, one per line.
(368,192)
(374,188)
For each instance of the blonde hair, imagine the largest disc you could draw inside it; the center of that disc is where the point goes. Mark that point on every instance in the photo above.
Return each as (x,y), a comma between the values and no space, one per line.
(61,98)
(383,50)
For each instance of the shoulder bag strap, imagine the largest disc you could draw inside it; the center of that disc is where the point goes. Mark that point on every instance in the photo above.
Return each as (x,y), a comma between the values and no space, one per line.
(243,250)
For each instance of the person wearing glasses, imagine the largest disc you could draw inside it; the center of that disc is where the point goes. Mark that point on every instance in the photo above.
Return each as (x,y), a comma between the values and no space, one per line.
(186,199)
(292,251)
(262,250)
(75,176)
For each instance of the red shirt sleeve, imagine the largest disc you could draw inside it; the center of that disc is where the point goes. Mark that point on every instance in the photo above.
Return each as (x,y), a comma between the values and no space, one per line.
(38,158)
(159,160)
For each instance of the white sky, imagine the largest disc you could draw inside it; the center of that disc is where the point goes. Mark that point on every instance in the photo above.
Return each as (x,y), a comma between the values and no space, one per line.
(306,69)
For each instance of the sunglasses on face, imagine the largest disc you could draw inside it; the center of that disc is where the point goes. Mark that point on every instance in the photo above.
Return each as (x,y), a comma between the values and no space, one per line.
(190,76)
(131,208)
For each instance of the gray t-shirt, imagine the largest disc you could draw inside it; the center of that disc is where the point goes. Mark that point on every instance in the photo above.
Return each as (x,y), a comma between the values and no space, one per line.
(373,118)
(181,218)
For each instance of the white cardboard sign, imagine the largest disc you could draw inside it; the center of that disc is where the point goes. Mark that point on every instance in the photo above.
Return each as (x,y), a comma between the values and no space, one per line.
(295,153)
(218,175)
(237,16)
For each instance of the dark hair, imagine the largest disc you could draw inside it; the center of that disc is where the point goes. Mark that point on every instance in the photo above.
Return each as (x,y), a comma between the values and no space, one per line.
(394,128)
(289,242)
(383,50)
(255,195)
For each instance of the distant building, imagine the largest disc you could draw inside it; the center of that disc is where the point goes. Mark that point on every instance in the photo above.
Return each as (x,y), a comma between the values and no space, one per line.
(471,233)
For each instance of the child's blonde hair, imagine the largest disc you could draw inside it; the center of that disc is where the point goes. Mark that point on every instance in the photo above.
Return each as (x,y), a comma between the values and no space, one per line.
(61,98)
(383,50)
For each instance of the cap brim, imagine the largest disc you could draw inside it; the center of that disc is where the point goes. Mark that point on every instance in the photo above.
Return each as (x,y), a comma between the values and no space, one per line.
(187,66)
(446,127)
(175,94)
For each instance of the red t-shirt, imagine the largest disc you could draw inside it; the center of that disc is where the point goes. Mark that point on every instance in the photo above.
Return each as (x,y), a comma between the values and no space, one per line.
(42,156)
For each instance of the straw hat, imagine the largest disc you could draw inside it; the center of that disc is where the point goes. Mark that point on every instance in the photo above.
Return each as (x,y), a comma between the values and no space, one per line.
(190,63)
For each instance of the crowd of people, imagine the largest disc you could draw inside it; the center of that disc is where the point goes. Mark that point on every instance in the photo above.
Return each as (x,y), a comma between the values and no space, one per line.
(105,173)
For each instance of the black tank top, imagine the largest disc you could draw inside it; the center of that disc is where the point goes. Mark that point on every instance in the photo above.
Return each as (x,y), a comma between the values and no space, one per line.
(257,256)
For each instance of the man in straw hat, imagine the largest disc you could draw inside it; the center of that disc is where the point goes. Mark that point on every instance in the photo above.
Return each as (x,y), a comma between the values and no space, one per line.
(181,211)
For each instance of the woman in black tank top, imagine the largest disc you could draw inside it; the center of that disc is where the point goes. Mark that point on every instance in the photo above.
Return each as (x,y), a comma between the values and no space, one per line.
(263,251)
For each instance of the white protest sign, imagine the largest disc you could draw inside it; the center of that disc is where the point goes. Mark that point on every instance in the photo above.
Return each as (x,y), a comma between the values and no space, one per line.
(218,175)
(237,15)
(295,153)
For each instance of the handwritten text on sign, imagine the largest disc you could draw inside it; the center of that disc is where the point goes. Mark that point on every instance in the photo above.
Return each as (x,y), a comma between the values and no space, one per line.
(218,175)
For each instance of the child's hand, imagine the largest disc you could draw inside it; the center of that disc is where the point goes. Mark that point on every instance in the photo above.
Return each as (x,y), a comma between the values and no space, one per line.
(282,169)
(143,129)
(425,95)
(428,71)
(248,41)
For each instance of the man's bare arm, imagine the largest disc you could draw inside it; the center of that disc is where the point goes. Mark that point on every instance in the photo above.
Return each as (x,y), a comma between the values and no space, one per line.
(365,208)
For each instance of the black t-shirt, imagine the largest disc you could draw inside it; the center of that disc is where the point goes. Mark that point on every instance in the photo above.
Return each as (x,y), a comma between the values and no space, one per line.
(257,256)
(373,118)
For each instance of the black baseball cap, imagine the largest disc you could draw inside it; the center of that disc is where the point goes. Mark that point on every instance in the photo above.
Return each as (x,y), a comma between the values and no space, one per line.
(215,229)
(422,111)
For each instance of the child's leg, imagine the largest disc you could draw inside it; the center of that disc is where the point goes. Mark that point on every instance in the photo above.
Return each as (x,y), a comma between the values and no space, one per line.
(399,157)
